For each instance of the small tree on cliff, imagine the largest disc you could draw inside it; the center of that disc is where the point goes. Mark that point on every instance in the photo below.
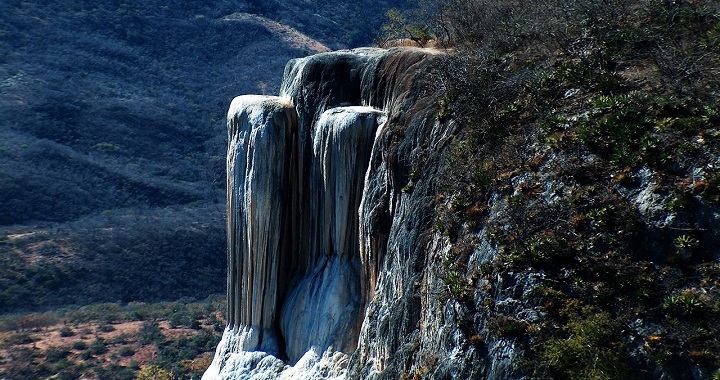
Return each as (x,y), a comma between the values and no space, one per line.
(399,26)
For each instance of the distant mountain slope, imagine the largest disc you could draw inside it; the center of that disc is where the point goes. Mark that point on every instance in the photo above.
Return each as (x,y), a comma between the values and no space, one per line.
(118,107)
(104,109)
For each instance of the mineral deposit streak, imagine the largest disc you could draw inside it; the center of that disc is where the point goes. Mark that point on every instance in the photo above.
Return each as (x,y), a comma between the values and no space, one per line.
(298,168)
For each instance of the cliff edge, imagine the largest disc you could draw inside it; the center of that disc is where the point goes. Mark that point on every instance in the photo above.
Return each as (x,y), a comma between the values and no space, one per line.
(381,225)
(313,202)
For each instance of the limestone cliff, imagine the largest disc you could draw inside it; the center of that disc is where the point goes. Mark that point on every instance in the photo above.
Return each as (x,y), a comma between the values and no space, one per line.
(315,202)
(371,236)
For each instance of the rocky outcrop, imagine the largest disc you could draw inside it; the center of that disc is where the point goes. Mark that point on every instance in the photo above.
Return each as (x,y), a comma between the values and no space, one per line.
(336,267)
(315,200)
(260,137)
(361,246)
(322,310)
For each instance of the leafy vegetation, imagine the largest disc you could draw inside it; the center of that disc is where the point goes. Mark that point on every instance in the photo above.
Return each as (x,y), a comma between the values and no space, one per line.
(41,349)
(571,115)
(153,372)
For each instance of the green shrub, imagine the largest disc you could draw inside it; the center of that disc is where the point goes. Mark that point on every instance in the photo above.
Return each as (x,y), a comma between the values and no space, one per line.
(586,347)
(509,327)
(122,338)
(688,303)
(153,372)
(711,189)
(621,128)
(126,351)
(685,241)
(680,203)
(180,318)
(66,331)
(20,338)
(97,347)
(115,371)
(55,354)
(150,333)
(173,353)
(457,286)
(86,355)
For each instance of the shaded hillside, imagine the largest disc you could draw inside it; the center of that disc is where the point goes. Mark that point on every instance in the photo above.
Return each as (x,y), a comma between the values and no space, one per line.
(117,108)
(126,255)
(339,24)
(110,108)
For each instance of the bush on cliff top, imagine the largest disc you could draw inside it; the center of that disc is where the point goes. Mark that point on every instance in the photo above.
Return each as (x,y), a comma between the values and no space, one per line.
(564,108)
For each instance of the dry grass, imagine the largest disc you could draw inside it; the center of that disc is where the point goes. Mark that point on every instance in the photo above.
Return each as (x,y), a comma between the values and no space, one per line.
(110,340)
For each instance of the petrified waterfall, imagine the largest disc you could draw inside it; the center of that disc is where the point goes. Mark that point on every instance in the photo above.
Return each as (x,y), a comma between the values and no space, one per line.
(322,309)
(299,166)
(293,252)
(259,198)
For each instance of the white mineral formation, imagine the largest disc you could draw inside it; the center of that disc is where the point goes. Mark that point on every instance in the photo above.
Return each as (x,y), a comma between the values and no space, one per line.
(260,131)
(334,258)
(293,288)
(323,308)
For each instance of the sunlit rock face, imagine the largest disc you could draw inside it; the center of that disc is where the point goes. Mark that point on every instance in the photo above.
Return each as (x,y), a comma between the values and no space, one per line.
(259,159)
(324,241)
(339,267)
(317,84)
(322,309)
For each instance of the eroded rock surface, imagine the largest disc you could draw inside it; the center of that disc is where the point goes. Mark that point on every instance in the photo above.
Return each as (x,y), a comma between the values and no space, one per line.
(332,245)
(359,250)
(322,310)
(260,135)
(296,171)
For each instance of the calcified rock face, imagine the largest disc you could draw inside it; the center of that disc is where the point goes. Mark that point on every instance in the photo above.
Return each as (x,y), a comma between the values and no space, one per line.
(323,308)
(330,225)
(260,136)
(339,264)
(296,167)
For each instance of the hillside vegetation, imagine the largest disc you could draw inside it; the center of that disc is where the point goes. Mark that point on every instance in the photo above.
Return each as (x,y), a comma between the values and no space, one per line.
(112,341)
(587,156)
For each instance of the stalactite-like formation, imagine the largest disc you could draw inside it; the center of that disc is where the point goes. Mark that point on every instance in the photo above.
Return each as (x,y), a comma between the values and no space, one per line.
(260,150)
(322,310)
(341,152)
(298,170)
